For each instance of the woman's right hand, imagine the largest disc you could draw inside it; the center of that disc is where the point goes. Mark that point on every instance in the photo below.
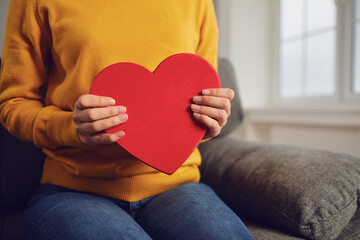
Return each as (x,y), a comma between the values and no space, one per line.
(93,115)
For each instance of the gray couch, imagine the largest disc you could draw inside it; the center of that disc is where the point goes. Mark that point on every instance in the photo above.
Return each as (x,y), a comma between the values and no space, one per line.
(280,192)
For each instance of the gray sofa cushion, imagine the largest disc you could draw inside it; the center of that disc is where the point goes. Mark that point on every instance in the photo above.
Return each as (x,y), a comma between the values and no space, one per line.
(309,192)
(265,232)
(352,230)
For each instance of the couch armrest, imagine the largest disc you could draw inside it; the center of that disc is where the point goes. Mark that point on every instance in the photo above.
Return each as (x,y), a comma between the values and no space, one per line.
(313,193)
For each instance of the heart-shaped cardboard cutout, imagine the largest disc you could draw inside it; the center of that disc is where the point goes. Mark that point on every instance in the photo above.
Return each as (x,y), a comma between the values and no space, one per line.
(160,130)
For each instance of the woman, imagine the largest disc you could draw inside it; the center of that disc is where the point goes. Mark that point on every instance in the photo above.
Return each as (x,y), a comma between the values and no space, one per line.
(91,188)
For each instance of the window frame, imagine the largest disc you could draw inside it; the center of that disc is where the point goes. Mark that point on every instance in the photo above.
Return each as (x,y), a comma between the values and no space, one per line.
(343,62)
(349,23)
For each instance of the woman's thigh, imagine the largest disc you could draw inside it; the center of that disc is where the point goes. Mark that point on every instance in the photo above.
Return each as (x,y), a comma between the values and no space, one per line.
(191,211)
(72,215)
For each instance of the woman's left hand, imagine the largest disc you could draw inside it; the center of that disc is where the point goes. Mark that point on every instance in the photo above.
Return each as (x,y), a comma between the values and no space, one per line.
(212,109)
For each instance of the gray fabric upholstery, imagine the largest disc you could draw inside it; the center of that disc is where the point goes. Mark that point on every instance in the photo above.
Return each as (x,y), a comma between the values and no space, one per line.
(20,170)
(351,231)
(228,80)
(12,225)
(309,192)
(265,232)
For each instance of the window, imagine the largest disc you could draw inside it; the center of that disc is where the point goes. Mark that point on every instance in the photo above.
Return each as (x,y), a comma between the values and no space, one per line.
(307,48)
(318,50)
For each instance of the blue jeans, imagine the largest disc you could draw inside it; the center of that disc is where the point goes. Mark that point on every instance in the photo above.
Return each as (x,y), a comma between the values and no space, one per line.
(189,211)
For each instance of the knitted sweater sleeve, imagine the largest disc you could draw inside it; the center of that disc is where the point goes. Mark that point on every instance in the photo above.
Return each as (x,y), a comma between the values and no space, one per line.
(208,44)
(23,74)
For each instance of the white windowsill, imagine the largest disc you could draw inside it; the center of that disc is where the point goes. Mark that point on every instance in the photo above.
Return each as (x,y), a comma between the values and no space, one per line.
(334,117)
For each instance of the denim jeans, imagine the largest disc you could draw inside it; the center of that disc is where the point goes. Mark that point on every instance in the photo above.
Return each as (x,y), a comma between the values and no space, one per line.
(189,211)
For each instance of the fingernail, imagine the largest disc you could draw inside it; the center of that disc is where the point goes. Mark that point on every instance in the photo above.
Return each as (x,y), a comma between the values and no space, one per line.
(206,91)
(195,107)
(123,117)
(120,134)
(122,109)
(197,99)
(196,115)
(111,101)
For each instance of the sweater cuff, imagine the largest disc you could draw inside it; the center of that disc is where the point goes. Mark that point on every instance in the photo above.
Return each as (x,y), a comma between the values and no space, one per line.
(55,128)
(205,140)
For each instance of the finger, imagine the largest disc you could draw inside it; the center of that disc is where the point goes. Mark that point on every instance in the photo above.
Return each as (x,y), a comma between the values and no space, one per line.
(219,115)
(212,125)
(93,114)
(93,101)
(100,125)
(215,102)
(101,138)
(219,92)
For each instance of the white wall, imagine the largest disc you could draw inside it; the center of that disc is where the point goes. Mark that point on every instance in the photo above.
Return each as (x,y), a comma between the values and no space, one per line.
(246,38)
(3,10)
(328,129)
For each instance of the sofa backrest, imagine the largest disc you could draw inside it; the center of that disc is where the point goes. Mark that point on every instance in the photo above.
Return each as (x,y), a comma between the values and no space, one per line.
(228,80)
(20,170)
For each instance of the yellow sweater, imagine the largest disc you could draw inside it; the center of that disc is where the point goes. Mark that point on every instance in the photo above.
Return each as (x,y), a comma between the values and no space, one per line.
(60,46)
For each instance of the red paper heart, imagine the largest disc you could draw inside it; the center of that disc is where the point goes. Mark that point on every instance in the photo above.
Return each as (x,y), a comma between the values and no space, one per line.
(161,130)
